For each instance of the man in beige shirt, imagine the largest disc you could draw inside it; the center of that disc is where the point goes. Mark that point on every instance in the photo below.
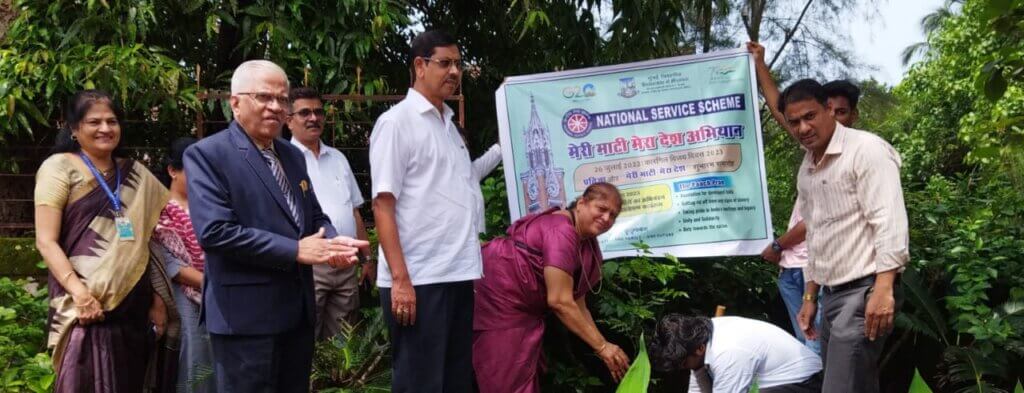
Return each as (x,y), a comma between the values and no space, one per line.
(789,251)
(857,237)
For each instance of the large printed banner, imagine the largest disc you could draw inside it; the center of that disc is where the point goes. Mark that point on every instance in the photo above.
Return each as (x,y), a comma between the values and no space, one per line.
(680,137)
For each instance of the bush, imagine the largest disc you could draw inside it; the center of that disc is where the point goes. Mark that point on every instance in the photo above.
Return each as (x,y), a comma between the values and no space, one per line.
(27,366)
(19,258)
(357,359)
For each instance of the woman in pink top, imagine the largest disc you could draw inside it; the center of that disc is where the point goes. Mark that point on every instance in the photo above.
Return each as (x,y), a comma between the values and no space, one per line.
(548,262)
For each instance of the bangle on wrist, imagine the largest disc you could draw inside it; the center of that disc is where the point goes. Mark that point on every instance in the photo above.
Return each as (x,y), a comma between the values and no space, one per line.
(601,349)
(810,297)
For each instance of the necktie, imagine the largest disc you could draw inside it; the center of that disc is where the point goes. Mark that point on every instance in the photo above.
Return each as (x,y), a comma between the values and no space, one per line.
(282,181)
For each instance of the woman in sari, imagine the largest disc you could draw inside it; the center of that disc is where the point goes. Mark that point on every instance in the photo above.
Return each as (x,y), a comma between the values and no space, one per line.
(549,262)
(184,261)
(95,212)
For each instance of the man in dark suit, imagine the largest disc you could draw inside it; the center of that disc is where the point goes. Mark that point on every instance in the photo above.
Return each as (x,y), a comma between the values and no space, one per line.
(257,218)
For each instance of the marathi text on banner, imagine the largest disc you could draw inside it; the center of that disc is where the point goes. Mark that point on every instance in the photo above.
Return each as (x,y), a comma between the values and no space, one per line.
(680,137)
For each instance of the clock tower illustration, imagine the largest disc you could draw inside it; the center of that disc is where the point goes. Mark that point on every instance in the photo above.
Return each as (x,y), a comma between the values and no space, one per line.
(543,184)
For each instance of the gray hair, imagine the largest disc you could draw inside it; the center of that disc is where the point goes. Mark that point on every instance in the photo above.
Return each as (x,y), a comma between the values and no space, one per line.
(243,75)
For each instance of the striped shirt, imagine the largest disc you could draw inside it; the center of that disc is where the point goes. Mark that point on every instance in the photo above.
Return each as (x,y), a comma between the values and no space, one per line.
(852,204)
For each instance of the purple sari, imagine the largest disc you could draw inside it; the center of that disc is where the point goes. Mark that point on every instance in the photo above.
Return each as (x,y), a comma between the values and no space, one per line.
(511,298)
(119,353)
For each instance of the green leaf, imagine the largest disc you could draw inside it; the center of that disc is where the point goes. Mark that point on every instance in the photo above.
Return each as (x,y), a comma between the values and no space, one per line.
(33,111)
(258,10)
(639,375)
(995,85)
(1019,388)
(7,314)
(918,385)
(996,8)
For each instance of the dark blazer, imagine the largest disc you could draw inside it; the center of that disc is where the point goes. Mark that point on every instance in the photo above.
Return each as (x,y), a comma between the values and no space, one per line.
(252,283)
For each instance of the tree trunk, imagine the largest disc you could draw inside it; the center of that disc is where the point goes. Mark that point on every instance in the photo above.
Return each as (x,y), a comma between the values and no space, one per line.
(752,18)
(228,56)
(7,14)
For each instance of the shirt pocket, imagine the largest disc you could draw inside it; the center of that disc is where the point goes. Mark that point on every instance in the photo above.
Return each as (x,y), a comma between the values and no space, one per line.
(339,189)
(838,199)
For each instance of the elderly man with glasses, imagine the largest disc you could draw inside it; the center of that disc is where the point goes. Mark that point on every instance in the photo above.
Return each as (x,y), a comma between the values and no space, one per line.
(261,226)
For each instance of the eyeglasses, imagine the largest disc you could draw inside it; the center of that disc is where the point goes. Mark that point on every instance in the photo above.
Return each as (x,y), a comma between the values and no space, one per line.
(266,98)
(306,112)
(448,63)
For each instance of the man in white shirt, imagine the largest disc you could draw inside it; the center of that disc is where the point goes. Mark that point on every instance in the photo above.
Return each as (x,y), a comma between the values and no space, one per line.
(732,353)
(337,290)
(482,166)
(424,194)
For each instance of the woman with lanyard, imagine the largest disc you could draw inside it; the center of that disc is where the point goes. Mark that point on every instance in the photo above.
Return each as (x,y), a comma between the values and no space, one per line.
(94,216)
(549,262)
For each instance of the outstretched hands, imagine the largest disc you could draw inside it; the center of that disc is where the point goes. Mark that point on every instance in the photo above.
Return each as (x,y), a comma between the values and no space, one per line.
(339,252)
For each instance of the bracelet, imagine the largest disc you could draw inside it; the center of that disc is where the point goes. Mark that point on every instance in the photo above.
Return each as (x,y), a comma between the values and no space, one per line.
(810,297)
(64,280)
(603,346)
(88,302)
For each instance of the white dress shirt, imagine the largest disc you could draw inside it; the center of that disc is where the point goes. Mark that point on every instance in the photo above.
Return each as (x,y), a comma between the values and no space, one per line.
(852,204)
(335,186)
(417,155)
(745,350)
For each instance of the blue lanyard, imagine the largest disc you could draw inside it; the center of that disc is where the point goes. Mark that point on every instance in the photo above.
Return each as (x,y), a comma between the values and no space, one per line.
(114,196)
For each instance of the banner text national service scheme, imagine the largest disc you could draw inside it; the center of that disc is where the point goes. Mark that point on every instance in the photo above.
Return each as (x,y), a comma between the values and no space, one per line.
(680,137)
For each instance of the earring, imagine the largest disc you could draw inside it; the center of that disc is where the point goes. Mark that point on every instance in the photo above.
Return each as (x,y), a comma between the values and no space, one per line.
(74,137)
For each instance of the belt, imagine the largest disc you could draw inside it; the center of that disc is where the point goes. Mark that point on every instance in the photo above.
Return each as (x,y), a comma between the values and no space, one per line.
(860,282)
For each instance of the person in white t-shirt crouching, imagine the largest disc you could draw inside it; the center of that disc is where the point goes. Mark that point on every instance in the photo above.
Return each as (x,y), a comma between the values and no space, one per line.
(729,354)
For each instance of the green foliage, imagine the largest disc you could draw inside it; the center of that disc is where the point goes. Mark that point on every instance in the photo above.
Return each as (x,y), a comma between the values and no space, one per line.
(635,290)
(320,43)
(496,200)
(957,126)
(972,249)
(55,48)
(639,374)
(19,257)
(918,385)
(23,355)
(570,378)
(971,92)
(356,360)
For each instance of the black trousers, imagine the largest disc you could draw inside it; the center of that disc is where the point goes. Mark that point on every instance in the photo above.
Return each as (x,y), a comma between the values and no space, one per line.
(264,363)
(811,385)
(435,354)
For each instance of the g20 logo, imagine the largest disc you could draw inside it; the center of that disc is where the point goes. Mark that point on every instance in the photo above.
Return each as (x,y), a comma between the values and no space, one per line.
(575,92)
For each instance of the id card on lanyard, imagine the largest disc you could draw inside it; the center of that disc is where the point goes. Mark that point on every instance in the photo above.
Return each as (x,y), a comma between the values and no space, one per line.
(125,231)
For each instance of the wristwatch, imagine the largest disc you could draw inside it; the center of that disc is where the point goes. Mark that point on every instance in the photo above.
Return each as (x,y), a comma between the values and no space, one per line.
(776,246)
